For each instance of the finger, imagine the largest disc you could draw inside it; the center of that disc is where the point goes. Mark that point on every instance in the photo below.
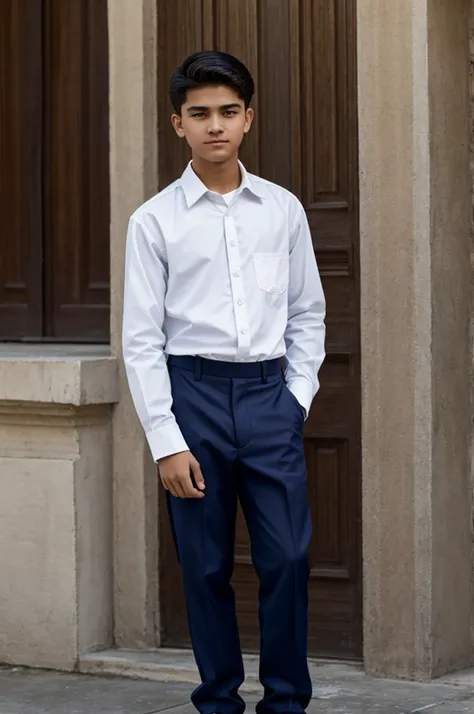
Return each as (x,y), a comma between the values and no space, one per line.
(178,489)
(172,489)
(198,477)
(188,488)
(170,484)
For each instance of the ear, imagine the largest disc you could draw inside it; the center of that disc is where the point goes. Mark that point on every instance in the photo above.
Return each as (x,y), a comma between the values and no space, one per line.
(249,115)
(177,123)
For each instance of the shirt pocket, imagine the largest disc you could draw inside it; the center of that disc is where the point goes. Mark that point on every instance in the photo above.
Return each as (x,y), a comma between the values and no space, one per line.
(272,272)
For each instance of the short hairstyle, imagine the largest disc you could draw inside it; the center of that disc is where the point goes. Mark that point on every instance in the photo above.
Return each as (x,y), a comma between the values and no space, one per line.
(204,69)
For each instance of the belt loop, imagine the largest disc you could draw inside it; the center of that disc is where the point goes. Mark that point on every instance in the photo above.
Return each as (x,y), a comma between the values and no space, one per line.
(263,368)
(197,368)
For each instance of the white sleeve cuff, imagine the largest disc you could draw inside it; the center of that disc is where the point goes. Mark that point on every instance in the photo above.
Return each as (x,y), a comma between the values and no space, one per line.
(302,390)
(165,441)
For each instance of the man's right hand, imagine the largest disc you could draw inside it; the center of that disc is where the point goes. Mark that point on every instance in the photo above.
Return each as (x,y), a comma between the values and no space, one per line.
(175,472)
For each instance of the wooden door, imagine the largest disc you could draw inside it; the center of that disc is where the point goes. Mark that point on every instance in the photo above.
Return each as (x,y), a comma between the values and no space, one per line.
(302,54)
(54,170)
(76,170)
(21,233)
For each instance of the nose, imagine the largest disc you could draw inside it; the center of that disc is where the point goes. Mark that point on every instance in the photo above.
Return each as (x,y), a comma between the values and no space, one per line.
(215,125)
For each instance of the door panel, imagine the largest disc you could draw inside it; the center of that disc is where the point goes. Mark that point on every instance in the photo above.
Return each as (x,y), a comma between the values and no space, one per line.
(76,169)
(54,177)
(20,169)
(302,54)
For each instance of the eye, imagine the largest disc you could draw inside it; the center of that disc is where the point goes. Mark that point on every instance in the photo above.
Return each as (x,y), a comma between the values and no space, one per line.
(197,115)
(229,112)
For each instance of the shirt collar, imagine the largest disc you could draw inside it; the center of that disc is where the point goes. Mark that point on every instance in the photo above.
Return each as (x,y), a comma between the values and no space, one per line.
(194,188)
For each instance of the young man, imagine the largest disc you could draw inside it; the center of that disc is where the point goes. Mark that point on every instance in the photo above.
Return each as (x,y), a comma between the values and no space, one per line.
(221,286)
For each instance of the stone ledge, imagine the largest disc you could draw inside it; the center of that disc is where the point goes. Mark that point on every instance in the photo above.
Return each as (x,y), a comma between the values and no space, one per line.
(78,375)
(173,665)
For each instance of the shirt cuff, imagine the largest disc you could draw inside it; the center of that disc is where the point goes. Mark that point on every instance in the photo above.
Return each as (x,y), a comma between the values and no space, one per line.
(302,390)
(166,441)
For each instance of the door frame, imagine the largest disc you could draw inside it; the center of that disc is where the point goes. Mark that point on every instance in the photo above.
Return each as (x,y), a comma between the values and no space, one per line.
(393,86)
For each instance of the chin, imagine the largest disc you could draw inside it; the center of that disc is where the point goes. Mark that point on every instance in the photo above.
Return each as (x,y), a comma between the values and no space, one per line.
(216,156)
(219,159)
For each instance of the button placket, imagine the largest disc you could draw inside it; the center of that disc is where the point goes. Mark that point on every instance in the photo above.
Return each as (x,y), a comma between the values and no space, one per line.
(237,284)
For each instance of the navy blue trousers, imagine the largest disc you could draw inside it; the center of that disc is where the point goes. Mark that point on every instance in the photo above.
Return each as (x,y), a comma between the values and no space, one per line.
(244,427)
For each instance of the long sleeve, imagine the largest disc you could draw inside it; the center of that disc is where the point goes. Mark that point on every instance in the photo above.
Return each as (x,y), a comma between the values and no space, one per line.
(305,332)
(143,340)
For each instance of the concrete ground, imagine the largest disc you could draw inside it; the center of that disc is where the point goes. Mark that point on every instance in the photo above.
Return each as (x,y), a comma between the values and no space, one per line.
(339,689)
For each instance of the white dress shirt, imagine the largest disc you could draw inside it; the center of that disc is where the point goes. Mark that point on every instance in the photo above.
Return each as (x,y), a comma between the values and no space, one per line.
(229,278)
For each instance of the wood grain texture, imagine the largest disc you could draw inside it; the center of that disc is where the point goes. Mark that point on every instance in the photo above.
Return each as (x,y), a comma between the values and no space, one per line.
(21,312)
(76,169)
(54,150)
(303,56)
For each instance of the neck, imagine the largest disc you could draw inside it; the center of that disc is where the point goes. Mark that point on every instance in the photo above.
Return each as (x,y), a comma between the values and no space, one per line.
(218,177)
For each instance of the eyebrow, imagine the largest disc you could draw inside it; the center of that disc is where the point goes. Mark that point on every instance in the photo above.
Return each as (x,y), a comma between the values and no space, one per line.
(225,107)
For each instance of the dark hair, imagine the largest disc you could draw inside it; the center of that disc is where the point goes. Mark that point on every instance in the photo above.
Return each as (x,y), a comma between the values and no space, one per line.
(210,68)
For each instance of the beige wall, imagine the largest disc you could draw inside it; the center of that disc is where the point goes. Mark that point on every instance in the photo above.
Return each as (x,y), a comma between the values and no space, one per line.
(416,302)
(132,31)
(55,504)
(38,591)
(451,312)
(471,73)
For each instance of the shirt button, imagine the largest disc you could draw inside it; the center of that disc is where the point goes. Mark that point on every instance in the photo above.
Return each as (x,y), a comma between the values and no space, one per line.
(236,274)
(240,302)
(243,332)
(232,243)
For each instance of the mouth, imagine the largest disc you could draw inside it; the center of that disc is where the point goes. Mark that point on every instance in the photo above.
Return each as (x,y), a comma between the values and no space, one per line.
(217,142)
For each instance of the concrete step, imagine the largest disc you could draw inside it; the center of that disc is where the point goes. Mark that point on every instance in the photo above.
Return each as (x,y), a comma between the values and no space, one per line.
(173,665)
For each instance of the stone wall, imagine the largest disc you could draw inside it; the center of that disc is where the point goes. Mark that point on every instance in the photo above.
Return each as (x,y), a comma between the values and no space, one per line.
(471,78)
(471,81)
(55,503)
(471,88)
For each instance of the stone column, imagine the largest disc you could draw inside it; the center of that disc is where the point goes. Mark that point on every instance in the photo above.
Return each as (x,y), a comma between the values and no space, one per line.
(133,167)
(415,202)
(55,503)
